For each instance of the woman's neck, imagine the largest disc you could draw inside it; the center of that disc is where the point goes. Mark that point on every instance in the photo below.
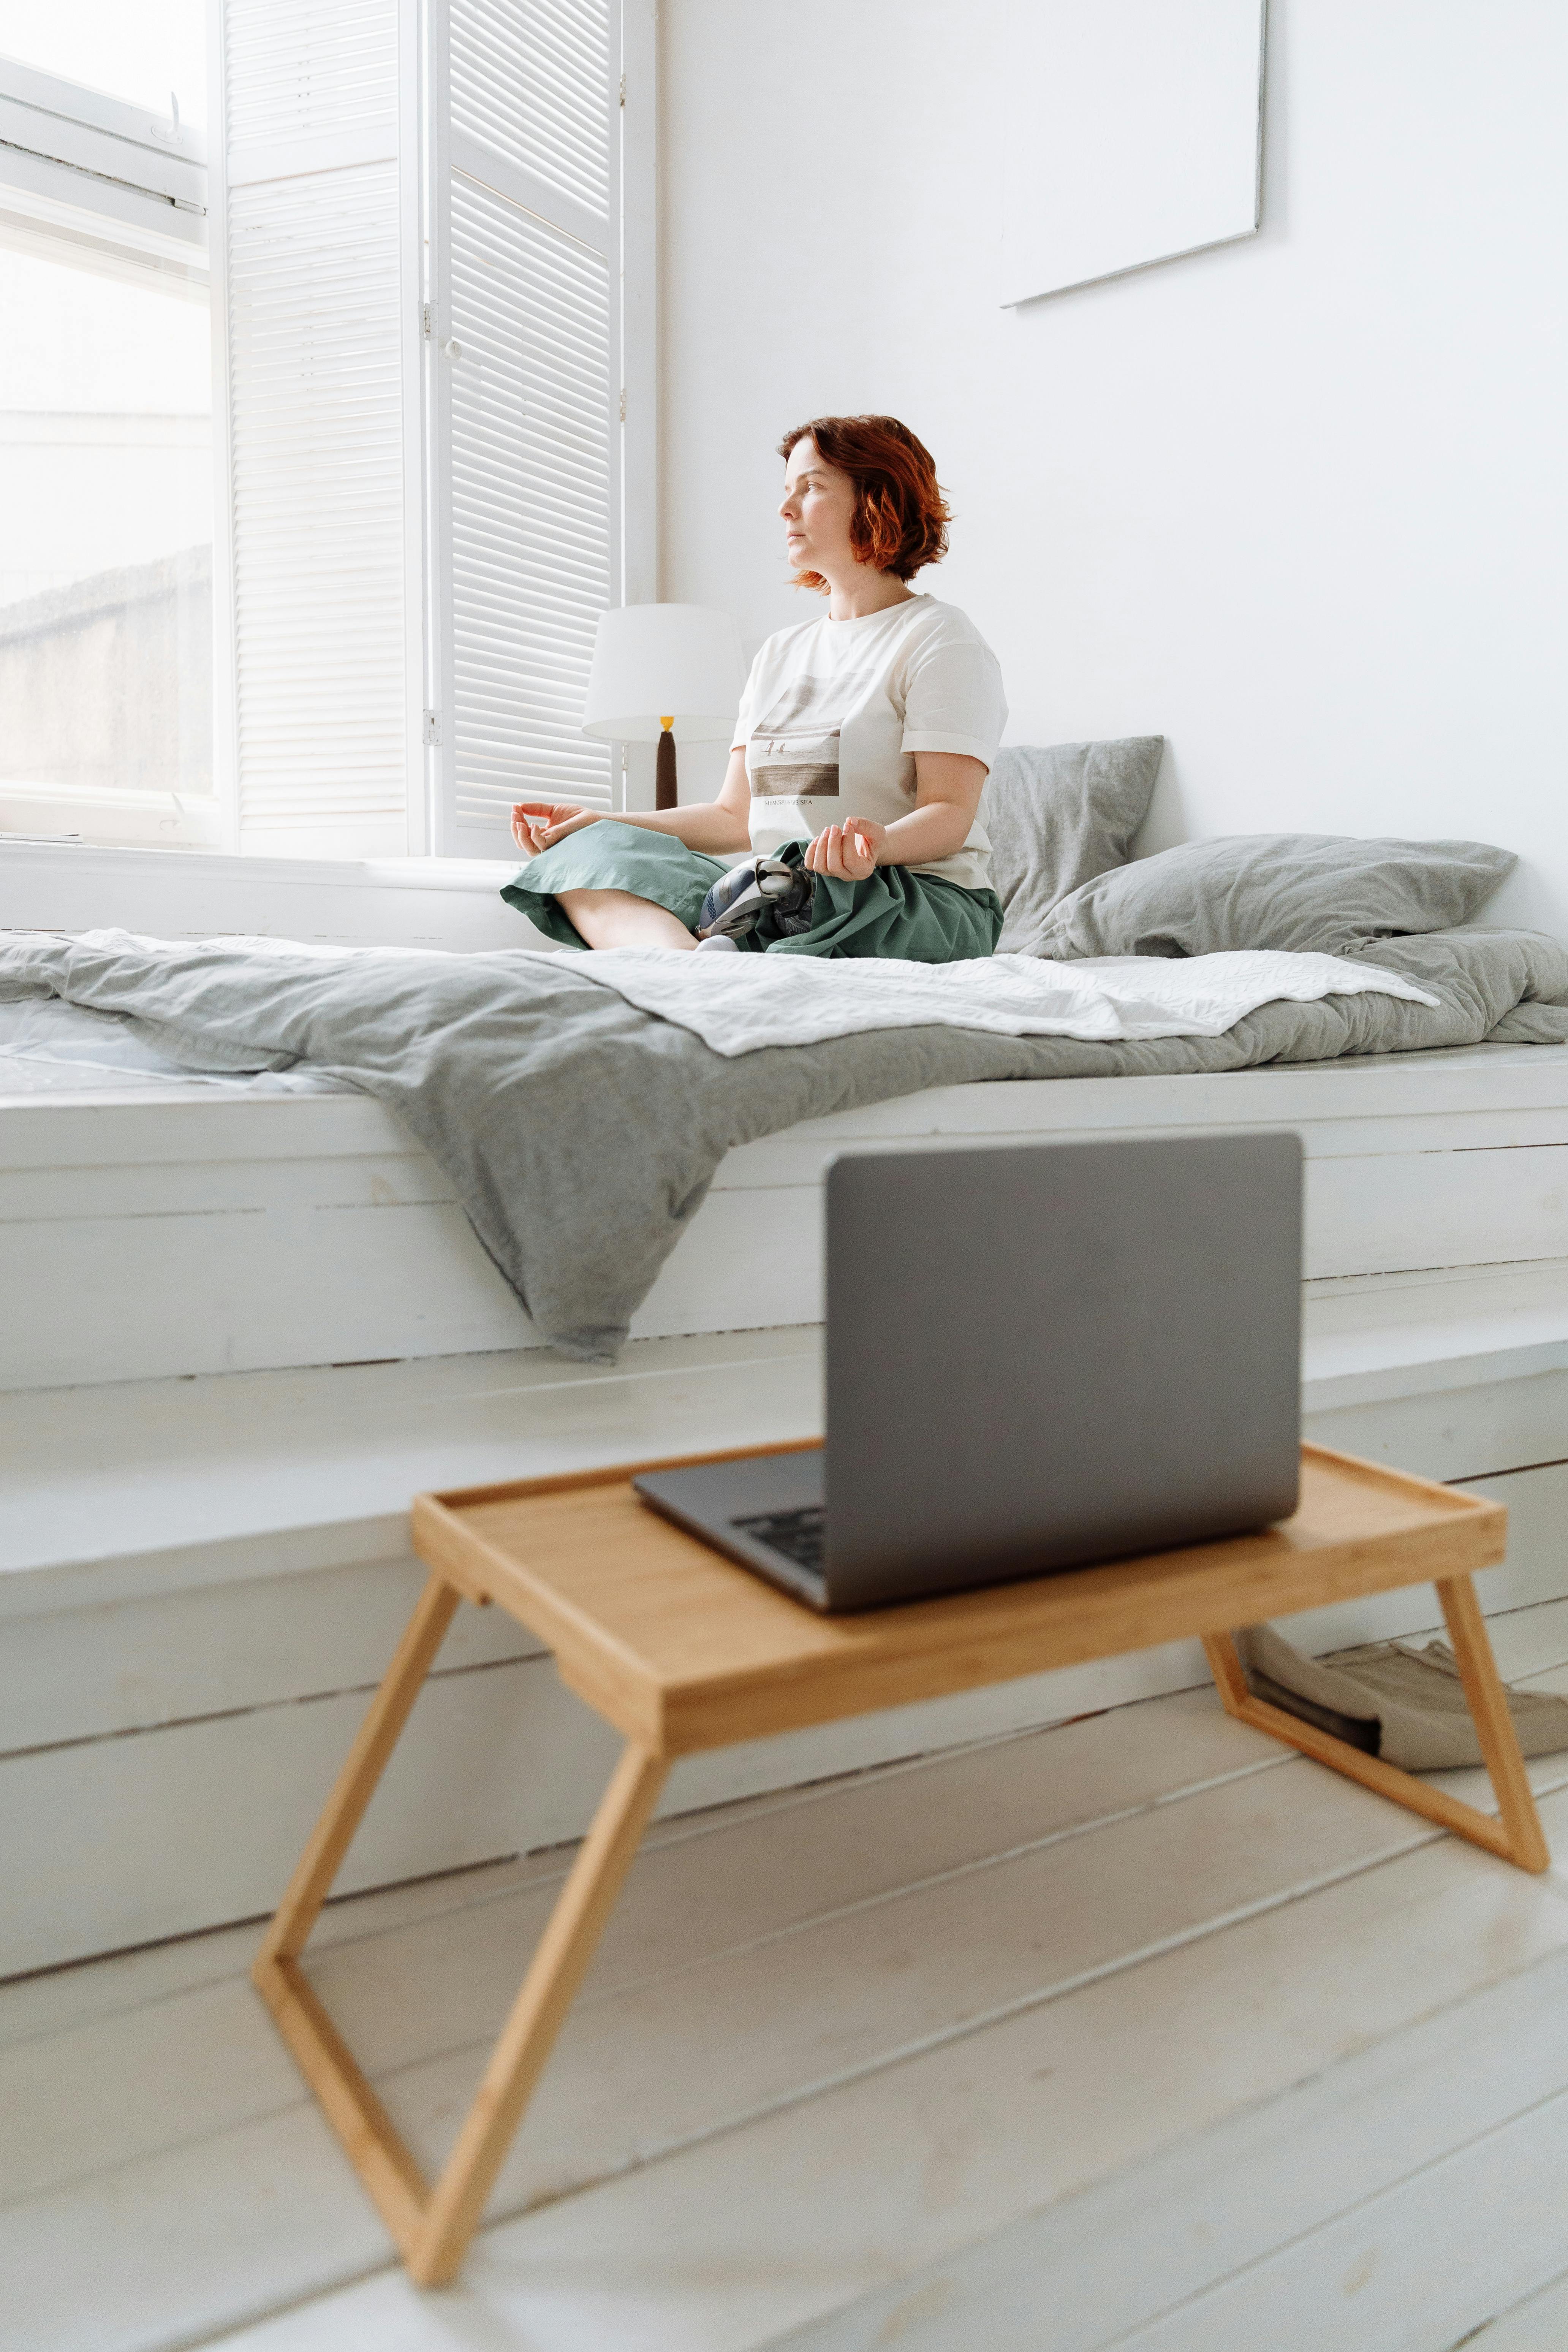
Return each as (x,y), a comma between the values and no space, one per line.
(863,591)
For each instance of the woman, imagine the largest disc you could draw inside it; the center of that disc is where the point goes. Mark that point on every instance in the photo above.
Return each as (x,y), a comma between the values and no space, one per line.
(863,739)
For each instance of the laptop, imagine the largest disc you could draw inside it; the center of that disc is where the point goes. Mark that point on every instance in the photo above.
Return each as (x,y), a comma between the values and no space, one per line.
(1038,1355)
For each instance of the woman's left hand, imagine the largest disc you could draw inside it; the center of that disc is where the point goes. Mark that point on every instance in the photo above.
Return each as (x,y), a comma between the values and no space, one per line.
(848,850)
(538,825)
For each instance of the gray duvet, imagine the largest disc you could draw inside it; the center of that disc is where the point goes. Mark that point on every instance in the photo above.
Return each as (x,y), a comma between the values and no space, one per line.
(581,1134)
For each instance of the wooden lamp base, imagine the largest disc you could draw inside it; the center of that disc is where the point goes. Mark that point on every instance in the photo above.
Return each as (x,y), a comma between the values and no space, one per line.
(664,794)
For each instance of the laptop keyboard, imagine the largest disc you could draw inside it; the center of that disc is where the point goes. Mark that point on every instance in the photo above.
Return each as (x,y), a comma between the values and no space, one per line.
(798,1535)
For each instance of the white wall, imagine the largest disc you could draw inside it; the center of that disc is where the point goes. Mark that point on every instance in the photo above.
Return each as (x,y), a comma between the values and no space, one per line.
(1298,504)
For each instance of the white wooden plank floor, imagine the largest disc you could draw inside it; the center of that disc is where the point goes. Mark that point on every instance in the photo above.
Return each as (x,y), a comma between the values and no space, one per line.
(1138,2022)
(1539,2325)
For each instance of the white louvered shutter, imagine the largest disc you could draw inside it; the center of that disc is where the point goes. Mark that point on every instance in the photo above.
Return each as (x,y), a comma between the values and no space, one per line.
(527,441)
(322,289)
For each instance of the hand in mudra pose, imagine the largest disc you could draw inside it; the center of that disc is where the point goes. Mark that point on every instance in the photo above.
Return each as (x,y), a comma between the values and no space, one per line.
(847,850)
(537,825)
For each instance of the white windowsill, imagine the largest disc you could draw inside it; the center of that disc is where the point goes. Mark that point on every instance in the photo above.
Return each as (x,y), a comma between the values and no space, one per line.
(67,817)
(449,903)
(205,868)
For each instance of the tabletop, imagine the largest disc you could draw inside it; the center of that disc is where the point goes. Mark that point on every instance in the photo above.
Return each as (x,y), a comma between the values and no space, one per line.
(681,1650)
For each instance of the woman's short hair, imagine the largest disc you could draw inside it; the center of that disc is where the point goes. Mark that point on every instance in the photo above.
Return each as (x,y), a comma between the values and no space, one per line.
(900,516)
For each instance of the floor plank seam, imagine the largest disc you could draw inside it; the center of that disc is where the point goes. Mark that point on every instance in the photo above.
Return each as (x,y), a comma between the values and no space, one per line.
(1519,2310)
(885,2060)
(266,2312)
(476,2045)
(679,1830)
(677,1833)
(676,1830)
(864,1903)
(946,2037)
(256,1706)
(64,2183)
(1517,1470)
(1548,1785)
(1361,2205)
(663,1835)
(238,1971)
(563,1380)
(622,1376)
(1528,1682)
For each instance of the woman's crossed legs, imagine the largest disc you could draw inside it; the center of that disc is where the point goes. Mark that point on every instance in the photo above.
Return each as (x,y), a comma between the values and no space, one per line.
(618,918)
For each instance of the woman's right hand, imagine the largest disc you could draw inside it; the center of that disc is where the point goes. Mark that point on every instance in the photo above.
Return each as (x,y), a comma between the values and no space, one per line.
(538,825)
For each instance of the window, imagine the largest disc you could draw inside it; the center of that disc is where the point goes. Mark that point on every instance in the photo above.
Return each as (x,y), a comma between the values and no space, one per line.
(106,556)
(423,343)
(105,432)
(141,52)
(414,448)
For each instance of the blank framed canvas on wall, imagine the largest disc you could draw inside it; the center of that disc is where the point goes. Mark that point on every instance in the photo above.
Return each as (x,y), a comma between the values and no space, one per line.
(1133,136)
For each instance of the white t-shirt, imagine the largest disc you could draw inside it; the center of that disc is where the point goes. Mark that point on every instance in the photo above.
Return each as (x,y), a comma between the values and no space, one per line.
(835,710)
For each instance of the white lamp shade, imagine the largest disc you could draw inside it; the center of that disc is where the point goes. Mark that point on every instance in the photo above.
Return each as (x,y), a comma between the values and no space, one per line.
(658,661)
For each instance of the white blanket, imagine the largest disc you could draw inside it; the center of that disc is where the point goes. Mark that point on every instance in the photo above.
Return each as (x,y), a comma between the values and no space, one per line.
(736,1003)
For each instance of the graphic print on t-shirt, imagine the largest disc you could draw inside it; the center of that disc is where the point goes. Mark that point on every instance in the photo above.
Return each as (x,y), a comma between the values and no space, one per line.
(835,715)
(794,746)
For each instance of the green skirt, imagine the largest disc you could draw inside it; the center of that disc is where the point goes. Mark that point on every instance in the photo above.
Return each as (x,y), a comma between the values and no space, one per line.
(893,912)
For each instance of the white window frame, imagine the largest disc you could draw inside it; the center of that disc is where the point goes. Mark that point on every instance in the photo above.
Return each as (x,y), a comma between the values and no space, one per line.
(82,165)
(129,191)
(115,188)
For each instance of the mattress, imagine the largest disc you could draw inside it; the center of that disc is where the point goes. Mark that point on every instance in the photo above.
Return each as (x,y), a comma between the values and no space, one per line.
(50,1047)
(581,1134)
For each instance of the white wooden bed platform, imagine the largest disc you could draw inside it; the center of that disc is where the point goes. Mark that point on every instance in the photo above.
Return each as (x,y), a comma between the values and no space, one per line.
(144,1234)
(188,1284)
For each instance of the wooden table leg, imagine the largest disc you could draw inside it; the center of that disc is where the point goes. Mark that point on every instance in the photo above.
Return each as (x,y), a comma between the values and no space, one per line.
(374,2146)
(1494,1723)
(1517,1836)
(356,1783)
(558,1968)
(433,2228)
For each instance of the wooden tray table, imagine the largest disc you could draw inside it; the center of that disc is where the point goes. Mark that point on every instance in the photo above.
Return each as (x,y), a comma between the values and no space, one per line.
(680,1651)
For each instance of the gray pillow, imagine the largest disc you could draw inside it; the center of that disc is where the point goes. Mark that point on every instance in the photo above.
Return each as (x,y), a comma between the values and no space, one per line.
(1308,892)
(1057,816)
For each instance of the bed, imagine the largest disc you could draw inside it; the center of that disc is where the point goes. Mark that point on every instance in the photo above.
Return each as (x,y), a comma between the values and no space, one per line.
(581,1108)
(581,1134)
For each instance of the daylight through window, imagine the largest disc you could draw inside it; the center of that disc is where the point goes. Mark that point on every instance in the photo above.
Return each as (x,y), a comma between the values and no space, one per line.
(106,478)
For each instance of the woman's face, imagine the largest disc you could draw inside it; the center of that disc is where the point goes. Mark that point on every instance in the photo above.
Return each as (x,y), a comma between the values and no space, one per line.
(818,507)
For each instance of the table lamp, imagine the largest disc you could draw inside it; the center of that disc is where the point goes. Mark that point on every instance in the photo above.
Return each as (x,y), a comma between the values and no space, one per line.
(662,668)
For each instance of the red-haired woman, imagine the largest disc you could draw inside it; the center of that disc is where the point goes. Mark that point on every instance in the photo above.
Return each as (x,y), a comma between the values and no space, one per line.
(863,739)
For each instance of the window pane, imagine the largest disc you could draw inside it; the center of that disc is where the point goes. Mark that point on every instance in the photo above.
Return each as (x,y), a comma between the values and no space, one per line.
(136,49)
(106,545)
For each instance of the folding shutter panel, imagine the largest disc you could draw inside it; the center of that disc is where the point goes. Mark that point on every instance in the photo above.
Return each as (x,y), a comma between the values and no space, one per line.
(529,375)
(320,294)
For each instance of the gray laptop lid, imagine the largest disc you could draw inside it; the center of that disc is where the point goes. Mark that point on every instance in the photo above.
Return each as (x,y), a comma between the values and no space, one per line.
(1054,1353)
